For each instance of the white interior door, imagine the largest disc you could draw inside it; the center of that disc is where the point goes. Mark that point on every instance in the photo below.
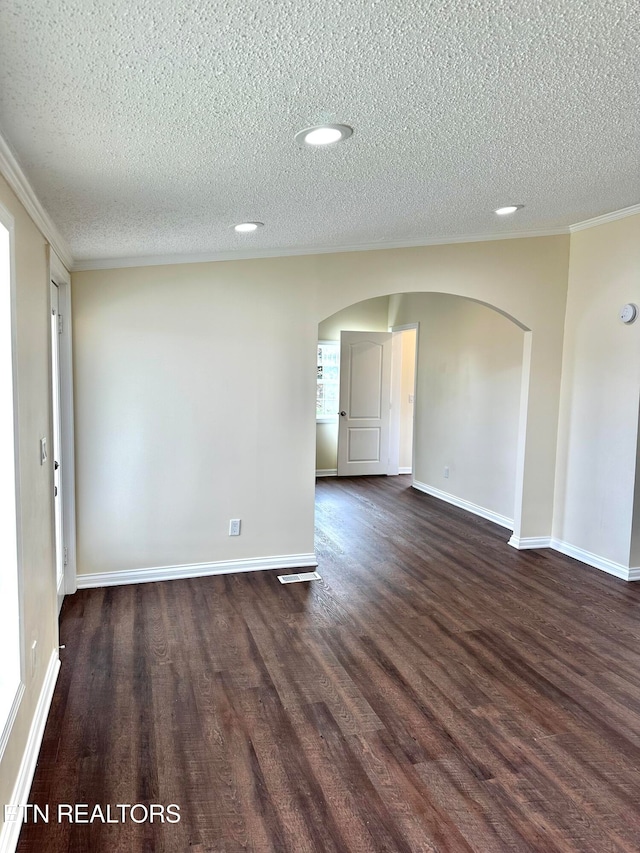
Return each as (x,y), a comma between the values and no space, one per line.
(56,448)
(365,396)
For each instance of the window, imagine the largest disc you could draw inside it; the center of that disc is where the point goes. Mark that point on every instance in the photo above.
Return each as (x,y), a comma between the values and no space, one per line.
(11,686)
(328,389)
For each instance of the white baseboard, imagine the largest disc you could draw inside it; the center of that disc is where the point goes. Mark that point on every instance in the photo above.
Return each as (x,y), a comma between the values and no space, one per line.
(196,570)
(502,520)
(20,796)
(609,566)
(5,734)
(333,472)
(525,542)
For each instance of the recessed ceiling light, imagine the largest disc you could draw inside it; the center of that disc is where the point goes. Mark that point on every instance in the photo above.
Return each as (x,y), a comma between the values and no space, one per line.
(326,134)
(247,227)
(510,208)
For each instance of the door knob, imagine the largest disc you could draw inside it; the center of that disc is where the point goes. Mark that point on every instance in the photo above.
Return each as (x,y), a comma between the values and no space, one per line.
(343,413)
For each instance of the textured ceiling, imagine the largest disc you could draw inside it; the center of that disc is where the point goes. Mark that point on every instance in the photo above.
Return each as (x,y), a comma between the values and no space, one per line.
(151,127)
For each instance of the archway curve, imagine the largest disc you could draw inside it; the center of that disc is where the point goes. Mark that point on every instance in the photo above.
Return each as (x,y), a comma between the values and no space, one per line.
(390,295)
(515,278)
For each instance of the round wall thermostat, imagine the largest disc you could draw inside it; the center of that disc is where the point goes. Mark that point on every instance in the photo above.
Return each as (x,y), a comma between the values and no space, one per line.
(628,312)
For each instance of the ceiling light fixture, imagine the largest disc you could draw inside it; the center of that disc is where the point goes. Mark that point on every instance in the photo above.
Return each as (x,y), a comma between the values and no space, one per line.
(326,134)
(510,208)
(247,227)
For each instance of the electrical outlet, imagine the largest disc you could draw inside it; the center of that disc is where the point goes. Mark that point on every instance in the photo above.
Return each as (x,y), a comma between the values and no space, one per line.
(446,472)
(43,450)
(234,527)
(412,398)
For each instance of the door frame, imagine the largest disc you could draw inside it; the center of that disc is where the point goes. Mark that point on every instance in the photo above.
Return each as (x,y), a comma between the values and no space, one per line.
(59,275)
(395,402)
(55,443)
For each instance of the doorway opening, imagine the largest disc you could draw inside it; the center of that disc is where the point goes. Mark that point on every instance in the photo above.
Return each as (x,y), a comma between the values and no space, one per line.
(467,391)
(403,397)
(384,356)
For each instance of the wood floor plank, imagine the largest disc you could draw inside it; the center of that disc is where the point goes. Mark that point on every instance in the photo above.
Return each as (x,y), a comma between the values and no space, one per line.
(436,692)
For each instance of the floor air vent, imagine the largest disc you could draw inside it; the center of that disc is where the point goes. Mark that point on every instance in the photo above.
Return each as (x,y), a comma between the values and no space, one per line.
(304,576)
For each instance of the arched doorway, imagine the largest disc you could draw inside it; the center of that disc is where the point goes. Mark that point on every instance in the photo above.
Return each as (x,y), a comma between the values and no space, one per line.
(470,401)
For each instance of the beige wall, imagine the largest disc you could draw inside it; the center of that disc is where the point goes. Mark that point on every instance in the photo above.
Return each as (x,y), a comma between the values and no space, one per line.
(35,508)
(367,316)
(194,404)
(468,398)
(598,435)
(326,447)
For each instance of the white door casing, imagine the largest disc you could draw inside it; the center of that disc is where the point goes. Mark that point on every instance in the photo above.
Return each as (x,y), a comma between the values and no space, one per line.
(365,397)
(59,276)
(56,444)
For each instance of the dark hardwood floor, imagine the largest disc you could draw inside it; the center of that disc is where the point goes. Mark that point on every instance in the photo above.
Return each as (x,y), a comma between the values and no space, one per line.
(437,691)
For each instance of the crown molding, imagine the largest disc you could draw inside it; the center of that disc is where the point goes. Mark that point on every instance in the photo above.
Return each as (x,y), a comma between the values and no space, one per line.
(606,217)
(257,254)
(19,183)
